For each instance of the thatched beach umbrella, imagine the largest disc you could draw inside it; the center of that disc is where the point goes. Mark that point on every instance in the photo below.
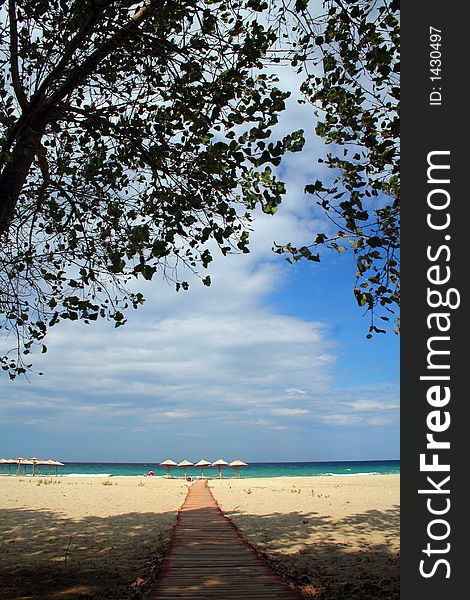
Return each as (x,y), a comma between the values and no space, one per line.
(3,461)
(168,463)
(219,463)
(48,464)
(56,464)
(34,460)
(24,463)
(9,462)
(42,463)
(52,463)
(185,463)
(18,462)
(237,464)
(203,463)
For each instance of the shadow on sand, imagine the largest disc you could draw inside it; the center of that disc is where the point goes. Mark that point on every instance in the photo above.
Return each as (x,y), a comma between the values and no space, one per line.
(322,561)
(44,555)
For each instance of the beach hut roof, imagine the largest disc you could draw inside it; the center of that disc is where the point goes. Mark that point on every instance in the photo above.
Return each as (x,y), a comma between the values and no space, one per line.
(203,463)
(35,458)
(25,461)
(185,463)
(168,463)
(219,462)
(238,463)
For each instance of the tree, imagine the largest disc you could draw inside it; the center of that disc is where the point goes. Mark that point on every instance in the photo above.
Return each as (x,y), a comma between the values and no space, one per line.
(132,133)
(351,58)
(135,132)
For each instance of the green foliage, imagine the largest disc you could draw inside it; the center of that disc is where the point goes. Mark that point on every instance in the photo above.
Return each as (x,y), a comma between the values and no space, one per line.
(132,134)
(351,57)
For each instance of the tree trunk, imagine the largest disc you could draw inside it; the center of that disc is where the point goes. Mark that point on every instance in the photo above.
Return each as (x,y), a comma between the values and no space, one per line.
(27,142)
(15,172)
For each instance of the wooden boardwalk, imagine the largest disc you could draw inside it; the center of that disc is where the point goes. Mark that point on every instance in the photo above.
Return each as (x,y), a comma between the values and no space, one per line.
(208,558)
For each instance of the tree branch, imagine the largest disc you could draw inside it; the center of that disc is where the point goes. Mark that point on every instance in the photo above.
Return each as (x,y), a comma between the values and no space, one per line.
(82,71)
(28,130)
(16,171)
(114,131)
(15,73)
(70,49)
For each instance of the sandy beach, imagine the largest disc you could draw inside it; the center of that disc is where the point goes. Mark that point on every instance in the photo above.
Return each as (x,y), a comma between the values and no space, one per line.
(84,537)
(330,537)
(70,538)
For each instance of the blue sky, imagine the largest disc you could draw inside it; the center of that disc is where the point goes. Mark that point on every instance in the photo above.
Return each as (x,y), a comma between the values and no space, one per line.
(268,364)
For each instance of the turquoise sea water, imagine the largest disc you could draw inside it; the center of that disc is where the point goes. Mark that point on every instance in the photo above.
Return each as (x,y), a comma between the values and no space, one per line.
(284,469)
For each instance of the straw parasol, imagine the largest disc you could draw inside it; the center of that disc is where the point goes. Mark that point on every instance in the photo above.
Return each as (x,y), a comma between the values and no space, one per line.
(219,463)
(18,462)
(185,463)
(9,462)
(237,464)
(168,463)
(56,464)
(24,463)
(34,460)
(41,463)
(52,463)
(47,463)
(3,461)
(203,463)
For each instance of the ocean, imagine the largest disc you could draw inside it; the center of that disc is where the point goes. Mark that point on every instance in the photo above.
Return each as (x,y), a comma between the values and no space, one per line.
(267,469)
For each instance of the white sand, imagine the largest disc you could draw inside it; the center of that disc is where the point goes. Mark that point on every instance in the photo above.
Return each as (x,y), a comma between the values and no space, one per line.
(336,537)
(74,537)
(332,537)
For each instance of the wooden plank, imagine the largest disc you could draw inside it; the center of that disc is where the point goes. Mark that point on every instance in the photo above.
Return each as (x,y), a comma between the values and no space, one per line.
(209,559)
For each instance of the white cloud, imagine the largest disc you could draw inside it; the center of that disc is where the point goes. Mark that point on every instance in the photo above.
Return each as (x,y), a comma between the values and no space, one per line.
(379,421)
(367,405)
(289,412)
(295,392)
(218,357)
(177,414)
(341,420)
